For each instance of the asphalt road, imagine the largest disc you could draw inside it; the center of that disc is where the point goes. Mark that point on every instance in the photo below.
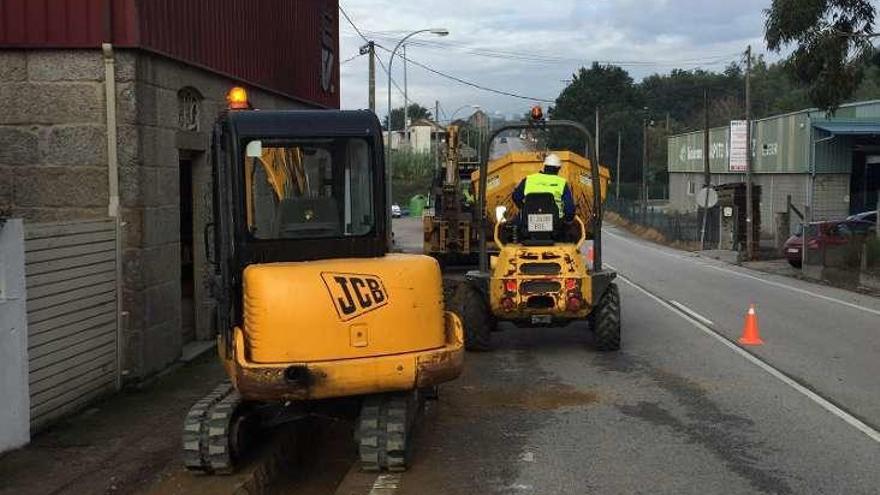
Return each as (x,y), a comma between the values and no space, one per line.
(679,409)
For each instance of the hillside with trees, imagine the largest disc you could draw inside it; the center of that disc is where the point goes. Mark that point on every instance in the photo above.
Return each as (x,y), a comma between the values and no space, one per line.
(673,103)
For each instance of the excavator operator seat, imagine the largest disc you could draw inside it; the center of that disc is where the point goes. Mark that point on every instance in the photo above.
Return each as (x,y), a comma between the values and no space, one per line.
(303,216)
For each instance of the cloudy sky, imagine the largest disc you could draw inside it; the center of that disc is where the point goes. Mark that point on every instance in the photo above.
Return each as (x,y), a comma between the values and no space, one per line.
(532,47)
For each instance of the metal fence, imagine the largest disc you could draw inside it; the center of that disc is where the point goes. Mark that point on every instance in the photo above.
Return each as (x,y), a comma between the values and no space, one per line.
(842,254)
(673,226)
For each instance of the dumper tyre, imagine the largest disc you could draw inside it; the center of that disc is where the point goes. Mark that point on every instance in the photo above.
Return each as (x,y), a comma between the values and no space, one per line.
(476,317)
(605,320)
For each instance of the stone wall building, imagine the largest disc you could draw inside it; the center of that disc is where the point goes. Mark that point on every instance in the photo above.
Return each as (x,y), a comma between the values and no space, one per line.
(170,66)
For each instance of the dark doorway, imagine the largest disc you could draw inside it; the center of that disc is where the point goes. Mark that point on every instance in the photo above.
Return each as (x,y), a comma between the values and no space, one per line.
(187,258)
(865,178)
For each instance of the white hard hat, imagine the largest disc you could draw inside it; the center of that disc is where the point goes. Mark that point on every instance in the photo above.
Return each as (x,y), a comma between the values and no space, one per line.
(553,161)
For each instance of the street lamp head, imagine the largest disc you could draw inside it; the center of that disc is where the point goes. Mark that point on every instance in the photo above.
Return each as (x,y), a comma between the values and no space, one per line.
(440,31)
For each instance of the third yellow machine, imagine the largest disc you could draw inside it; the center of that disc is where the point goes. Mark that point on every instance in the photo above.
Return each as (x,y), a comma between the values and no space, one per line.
(542,274)
(312,306)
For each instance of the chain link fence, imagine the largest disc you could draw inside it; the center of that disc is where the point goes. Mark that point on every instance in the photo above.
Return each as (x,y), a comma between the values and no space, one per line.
(668,226)
(843,252)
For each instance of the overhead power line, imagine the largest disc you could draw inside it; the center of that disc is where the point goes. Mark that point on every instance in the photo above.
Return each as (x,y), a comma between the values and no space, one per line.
(349,59)
(347,18)
(385,69)
(378,59)
(469,83)
(543,59)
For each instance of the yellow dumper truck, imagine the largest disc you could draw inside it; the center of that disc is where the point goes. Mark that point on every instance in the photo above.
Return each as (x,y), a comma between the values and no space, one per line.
(541,275)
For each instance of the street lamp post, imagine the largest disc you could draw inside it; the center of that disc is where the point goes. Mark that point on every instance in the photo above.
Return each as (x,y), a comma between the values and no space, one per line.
(388,167)
(452,117)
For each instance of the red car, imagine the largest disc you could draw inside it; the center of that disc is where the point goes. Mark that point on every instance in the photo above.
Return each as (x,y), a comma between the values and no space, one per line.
(821,235)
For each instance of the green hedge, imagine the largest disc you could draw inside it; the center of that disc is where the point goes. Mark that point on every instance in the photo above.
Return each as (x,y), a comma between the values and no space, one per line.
(412,173)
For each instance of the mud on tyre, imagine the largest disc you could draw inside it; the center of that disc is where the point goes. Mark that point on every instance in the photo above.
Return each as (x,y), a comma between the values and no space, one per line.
(470,305)
(605,320)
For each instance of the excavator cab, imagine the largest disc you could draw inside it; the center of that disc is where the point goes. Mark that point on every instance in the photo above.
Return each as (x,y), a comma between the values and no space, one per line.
(311,305)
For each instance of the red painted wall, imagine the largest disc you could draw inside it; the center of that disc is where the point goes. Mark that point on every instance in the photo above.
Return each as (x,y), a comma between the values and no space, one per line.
(287,46)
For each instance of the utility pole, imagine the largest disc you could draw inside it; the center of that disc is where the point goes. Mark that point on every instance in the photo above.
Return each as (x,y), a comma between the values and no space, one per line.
(617,176)
(597,136)
(436,145)
(750,233)
(707,173)
(405,100)
(370,49)
(644,186)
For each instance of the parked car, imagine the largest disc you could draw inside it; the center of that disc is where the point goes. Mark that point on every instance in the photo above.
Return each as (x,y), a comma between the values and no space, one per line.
(865,216)
(822,235)
(395,211)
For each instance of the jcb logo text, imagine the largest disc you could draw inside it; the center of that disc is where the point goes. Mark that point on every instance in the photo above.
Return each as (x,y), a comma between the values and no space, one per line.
(354,294)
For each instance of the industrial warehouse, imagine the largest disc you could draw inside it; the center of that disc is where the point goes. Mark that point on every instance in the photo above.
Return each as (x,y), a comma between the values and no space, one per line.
(837,156)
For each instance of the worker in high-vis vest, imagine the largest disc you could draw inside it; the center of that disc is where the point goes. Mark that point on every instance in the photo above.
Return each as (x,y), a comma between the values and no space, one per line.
(548,181)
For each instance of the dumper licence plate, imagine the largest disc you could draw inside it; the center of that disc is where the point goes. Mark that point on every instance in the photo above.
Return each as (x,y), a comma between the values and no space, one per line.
(541,222)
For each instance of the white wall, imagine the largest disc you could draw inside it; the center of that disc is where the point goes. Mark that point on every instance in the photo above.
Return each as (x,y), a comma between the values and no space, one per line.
(14,401)
(420,138)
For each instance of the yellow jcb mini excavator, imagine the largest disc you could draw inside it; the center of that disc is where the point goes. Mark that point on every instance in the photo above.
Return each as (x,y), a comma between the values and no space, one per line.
(311,304)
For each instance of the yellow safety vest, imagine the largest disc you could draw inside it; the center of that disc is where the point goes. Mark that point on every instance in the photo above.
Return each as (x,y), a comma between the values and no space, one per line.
(546,183)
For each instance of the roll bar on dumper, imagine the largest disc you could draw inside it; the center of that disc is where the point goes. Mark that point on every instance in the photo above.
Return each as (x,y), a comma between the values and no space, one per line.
(600,278)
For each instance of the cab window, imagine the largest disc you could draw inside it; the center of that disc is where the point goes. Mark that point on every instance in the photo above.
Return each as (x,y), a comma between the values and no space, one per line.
(310,189)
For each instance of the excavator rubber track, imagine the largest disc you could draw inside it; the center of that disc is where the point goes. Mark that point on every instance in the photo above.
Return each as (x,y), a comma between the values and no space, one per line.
(211,431)
(383,431)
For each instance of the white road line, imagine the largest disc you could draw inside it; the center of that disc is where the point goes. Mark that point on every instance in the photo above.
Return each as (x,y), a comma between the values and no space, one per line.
(818,399)
(385,484)
(753,277)
(693,314)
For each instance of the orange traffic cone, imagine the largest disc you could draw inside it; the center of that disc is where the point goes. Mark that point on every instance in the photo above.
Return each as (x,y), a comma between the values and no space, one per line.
(751,335)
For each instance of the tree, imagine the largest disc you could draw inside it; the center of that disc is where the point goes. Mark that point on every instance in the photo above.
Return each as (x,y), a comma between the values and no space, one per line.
(612,90)
(416,112)
(832,39)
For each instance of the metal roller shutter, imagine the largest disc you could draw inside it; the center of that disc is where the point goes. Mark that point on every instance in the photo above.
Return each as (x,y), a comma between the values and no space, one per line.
(72,277)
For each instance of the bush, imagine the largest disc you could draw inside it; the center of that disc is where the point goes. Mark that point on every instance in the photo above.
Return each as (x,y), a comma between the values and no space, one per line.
(412,173)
